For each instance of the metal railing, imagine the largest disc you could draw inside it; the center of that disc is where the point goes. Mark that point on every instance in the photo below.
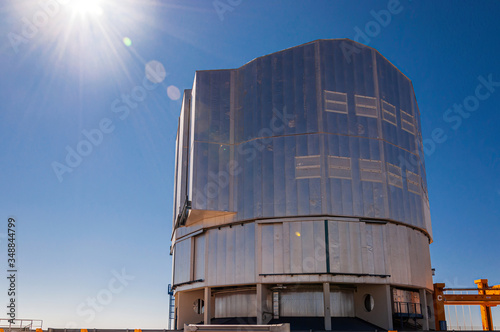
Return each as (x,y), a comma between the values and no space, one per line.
(408,309)
(20,324)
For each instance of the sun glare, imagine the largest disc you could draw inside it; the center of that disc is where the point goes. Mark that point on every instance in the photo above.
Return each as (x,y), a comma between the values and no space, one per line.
(87,7)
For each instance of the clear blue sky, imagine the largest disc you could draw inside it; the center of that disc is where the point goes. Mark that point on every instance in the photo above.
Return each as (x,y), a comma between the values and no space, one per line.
(114,210)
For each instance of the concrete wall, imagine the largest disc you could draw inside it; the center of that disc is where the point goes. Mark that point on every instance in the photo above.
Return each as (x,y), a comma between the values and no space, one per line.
(184,305)
(381,315)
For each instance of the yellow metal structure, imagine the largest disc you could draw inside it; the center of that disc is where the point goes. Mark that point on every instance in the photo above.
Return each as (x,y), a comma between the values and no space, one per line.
(487,297)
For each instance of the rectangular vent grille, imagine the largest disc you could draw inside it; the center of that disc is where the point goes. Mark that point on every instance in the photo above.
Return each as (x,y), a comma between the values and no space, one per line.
(339,167)
(307,167)
(413,182)
(366,106)
(407,122)
(394,176)
(371,170)
(335,102)
(389,113)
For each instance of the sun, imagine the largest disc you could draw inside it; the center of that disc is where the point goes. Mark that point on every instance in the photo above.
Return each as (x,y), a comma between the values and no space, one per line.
(87,7)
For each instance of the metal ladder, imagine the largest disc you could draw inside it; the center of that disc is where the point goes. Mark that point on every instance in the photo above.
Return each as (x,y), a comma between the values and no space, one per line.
(171,307)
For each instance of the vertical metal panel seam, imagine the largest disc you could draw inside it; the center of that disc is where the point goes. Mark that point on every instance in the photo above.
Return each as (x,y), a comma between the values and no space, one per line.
(380,139)
(319,108)
(327,248)
(232,102)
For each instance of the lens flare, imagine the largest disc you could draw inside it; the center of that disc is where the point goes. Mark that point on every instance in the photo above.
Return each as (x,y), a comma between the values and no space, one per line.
(155,72)
(127,41)
(173,92)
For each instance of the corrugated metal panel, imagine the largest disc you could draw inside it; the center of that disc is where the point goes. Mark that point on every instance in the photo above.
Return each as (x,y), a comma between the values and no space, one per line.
(427,215)
(386,234)
(415,252)
(267,233)
(236,305)
(239,253)
(307,238)
(212,257)
(231,254)
(278,248)
(319,246)
(221,253)
(296,247)
(249,231)
(342,304)
(301,303)
(299,247)
(334,246)
(379,259)
(182,261)
(278,202)
(426,260)
(286,248)
(367,248)
(344,246)
(355,258)
(199,257)
(404,242)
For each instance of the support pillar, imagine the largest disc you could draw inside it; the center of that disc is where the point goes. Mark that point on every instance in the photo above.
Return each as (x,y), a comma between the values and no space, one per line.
(439,313)
(423,301)
(207,314)
(388,310)
(260,309)
(326,304)
(485,309)
(262,317)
